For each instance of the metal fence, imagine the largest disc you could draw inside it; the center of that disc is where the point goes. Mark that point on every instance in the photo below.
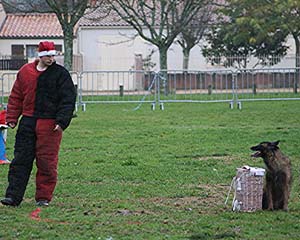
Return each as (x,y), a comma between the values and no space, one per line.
(117,87)
(267,84)
(12,62)
(195,86)
(7,81)
(158,88)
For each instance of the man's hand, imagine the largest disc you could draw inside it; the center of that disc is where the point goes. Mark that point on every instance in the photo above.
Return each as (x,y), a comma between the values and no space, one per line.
(12,125)
(57,128)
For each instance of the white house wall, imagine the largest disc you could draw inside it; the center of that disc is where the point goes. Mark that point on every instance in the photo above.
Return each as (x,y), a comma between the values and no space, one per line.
(106,49)
(111,49)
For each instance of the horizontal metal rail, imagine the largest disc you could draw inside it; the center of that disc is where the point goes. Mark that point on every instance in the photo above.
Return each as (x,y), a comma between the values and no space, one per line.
(162,87)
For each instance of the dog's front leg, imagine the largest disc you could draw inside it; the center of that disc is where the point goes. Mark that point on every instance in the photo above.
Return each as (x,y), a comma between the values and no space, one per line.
(285,204)
(286,193)
(269,197)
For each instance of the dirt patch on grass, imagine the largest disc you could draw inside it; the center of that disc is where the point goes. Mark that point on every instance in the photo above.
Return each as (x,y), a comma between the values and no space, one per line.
(201,198)
(211,197)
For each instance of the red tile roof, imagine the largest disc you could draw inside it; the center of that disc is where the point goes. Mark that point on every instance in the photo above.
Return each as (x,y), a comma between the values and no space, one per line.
(100,17)
(31,25)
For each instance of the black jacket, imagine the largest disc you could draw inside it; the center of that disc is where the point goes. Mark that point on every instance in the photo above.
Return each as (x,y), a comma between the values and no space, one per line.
(55,95)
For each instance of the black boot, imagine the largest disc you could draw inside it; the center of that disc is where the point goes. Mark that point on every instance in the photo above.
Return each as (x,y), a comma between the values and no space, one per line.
(9,202)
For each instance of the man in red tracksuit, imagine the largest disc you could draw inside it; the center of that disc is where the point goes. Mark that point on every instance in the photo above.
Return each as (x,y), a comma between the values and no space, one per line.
(44,95)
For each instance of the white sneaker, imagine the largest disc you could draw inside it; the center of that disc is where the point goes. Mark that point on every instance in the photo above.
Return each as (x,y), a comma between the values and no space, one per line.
(42,203)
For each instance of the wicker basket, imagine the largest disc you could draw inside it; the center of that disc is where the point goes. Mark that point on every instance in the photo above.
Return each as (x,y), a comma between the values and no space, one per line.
(248,186)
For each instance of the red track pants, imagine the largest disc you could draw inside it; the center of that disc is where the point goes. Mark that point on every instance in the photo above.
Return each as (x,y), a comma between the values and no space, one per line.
(47,148)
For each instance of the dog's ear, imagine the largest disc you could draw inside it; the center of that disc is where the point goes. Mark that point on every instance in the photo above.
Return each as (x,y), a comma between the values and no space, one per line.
(274,145)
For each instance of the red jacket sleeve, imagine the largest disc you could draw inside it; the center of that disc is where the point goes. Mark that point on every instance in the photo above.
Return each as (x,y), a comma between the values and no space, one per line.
(15,102)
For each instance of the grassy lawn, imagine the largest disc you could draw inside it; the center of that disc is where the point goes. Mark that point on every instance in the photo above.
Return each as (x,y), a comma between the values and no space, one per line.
(145,174)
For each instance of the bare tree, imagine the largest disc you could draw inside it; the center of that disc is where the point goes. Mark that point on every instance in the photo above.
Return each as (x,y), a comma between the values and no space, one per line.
(157,21)
(193,32)
(68,13)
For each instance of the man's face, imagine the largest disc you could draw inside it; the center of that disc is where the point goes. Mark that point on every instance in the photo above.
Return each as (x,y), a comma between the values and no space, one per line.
(47,60)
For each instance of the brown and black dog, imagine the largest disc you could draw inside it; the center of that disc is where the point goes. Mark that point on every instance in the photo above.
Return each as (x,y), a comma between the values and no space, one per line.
(278,175)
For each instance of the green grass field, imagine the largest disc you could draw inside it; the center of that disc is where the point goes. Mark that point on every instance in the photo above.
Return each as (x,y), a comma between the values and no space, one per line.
(145,174)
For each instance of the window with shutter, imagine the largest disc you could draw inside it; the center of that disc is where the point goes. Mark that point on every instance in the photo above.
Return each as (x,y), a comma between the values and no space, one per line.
(31,51)
(17,51)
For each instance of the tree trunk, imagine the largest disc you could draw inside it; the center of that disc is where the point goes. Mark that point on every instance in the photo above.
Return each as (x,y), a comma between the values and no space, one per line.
(296,81)
(186,58)
(163,60)
(68,45)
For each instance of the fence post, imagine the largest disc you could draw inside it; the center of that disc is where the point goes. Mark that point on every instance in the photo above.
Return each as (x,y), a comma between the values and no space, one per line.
(235,90)
(254,88)
(121,90)
(80,102)
(156,90)
(158,81)
(296,81)
(76,103)
(209,89)
(2,91)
